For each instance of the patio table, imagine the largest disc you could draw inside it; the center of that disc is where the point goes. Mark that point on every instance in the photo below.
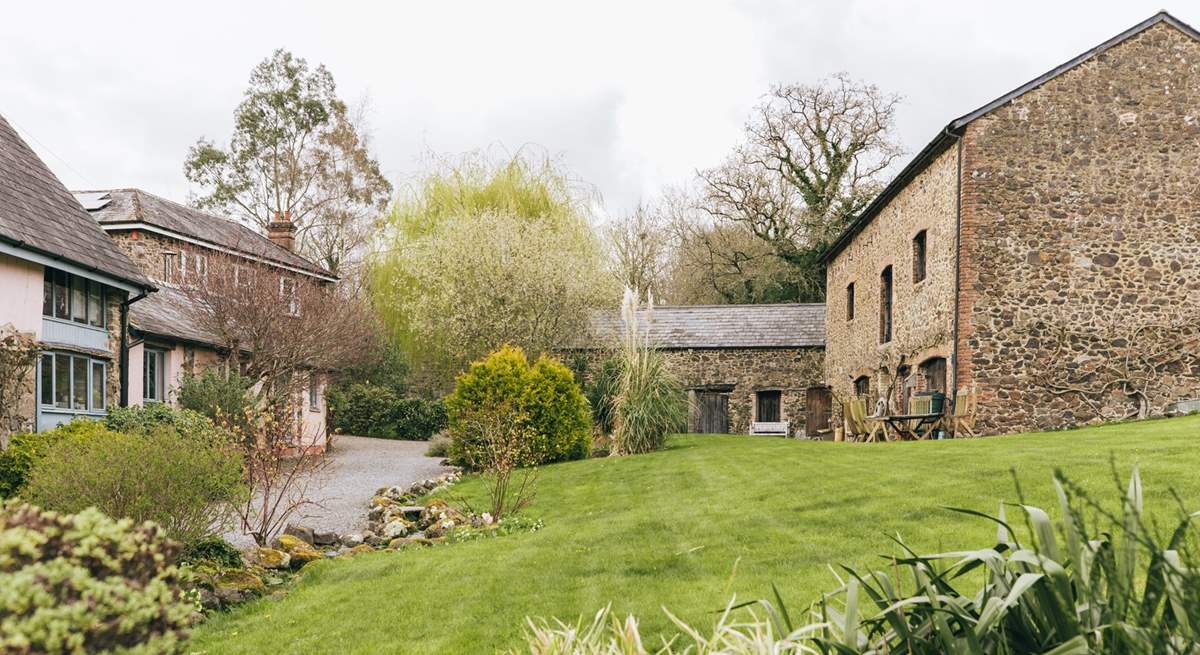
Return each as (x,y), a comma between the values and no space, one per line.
(904,426)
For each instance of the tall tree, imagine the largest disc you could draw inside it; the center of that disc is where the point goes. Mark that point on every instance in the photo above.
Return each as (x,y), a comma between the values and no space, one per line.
(297,151)
(482,253)
(813,157)
(641,246)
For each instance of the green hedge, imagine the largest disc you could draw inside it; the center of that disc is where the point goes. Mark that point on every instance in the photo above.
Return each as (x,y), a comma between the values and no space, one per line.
(369,410)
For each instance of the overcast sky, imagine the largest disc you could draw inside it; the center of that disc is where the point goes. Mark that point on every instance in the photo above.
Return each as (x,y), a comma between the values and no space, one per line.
(631,95)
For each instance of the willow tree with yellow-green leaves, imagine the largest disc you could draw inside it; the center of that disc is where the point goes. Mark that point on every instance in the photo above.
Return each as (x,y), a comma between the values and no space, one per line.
(481,253)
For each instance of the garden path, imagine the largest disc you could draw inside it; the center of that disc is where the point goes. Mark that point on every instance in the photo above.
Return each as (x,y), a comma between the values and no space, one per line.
(358,467)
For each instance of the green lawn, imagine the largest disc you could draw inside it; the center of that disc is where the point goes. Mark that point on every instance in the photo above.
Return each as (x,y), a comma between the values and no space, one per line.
(686,528)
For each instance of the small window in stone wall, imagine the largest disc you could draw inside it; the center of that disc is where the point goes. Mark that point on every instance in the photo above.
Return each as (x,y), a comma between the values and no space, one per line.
(850,302)
(918,248)
(862,386)
(885,305)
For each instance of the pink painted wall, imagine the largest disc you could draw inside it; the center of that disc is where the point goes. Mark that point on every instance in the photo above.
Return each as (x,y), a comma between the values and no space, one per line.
(21,291)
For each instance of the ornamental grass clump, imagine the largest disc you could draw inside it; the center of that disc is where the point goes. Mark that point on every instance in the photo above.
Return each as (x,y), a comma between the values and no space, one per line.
(1094,581)
(84,583)
(650,402)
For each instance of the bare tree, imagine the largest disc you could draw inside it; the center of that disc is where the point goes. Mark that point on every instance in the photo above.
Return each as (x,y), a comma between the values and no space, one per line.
(641,244)
(813,158)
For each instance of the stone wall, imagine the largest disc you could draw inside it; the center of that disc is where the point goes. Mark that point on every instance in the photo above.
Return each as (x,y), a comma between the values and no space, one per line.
(1079,208)
(922,313)
(747,370)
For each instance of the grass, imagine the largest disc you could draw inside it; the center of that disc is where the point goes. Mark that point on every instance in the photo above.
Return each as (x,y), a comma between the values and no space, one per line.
(688,527)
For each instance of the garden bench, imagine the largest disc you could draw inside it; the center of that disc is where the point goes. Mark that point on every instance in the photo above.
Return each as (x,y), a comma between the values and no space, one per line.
(771,427)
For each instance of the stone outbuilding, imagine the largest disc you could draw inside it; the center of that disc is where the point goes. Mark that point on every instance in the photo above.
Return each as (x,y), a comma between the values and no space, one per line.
(740,363)
(1037,246)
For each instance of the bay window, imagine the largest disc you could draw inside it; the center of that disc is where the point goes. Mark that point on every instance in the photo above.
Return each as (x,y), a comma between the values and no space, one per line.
(72,298)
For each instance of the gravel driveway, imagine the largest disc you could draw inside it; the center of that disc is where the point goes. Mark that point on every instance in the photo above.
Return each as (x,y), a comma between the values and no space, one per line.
(358,467)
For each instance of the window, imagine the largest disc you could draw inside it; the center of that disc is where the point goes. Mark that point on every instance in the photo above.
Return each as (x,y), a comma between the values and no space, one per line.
(934,372)
(885,305)
(767,410)
(154,364)
(862,386)
(314,395)
(73,298)
(242,276)
(192,265)
(170,266)
(73,382)
(200,266)
(850,302)
(289,292)
(919,257)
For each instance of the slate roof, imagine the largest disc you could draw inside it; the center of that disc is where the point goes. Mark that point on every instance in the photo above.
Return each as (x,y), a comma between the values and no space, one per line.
(954,129)
(38,214)
(790,325)
(168,313)
(137,206)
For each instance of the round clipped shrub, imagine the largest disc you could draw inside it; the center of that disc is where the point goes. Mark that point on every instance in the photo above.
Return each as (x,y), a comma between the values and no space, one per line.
(184,481)
(85,583)
(544,395)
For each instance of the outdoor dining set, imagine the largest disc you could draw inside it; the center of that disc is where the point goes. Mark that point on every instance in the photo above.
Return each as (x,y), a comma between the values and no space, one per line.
(926,417)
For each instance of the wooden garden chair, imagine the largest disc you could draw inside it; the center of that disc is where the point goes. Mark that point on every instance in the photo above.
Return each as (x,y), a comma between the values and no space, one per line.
(963,418)
(873,427)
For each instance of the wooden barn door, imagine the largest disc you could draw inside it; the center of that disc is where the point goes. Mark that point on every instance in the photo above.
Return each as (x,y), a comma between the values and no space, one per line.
(713,408)
(818,408)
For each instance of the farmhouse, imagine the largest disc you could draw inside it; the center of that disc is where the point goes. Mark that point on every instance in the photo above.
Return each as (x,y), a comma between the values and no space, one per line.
(64,283)
(174,245)
(741,364)
(1043,249)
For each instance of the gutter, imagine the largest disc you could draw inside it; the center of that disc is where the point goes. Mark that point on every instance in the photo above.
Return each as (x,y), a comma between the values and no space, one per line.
(125,346)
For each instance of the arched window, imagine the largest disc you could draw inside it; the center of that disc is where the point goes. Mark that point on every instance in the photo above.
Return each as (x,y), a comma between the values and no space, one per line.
(934,372)
(918,248)
(862,386)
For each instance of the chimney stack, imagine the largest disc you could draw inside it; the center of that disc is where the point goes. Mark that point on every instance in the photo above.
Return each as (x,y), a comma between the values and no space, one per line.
(282,231)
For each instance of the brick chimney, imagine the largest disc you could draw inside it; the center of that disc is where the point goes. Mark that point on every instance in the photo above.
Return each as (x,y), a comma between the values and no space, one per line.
(282,231)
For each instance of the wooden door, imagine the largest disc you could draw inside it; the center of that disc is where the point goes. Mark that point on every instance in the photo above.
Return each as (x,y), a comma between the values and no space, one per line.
(818,408)
(713,408)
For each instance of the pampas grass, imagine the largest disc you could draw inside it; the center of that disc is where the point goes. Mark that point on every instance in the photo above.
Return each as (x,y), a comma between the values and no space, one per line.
(650,401)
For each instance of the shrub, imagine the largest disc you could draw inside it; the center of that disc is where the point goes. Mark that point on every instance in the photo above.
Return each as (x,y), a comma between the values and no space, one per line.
(26,449)
(184,481)
(221,397)
(86,583)
(544,397)
(145,419)
(212,550)
(650,401)
(602,394)
(368,410)
(1095,581)
(439,445)
(500,444)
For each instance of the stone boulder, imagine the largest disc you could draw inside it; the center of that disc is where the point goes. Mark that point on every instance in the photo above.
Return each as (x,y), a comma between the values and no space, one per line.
(300,551)
(301,532)
(267,558)
(325,539)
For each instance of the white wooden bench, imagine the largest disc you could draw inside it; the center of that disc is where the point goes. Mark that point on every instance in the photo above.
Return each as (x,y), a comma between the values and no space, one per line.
(773,427)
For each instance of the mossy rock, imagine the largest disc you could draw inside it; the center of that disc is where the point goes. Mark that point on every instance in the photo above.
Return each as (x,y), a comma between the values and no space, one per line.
(299,550)
(404,542)
(240,581)
(268,558)
(358,550)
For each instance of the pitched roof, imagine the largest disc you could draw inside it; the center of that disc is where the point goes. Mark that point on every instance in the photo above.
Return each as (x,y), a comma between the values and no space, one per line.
(949,134)
(791,325)
(121,207)
(169,313)
(38,214)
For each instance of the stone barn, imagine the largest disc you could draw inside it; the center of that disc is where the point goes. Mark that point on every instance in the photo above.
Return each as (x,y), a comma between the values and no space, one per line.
(740,363)
(1043,250)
